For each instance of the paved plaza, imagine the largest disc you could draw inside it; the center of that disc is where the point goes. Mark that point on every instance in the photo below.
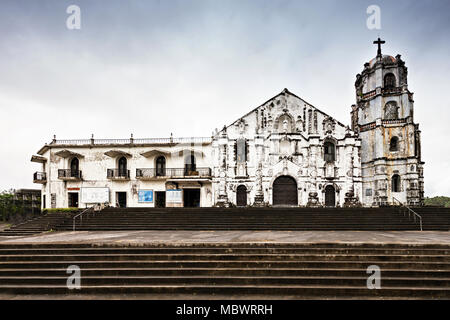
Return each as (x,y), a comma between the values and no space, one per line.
(186,237)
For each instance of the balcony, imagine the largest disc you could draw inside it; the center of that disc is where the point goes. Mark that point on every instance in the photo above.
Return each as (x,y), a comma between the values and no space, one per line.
(69,175)
(155,174)
(118,174)
(40,177)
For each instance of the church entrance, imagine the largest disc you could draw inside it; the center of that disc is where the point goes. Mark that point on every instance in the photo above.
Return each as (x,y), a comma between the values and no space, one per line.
(330,196)
(241,196)
(285,191)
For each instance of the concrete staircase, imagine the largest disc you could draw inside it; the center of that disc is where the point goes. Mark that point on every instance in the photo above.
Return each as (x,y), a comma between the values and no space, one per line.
(40,224)
(292,219)
(435,218)
(279,271)
(277,219)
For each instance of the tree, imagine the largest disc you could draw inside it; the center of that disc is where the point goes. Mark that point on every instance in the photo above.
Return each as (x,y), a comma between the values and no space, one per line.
(9,207)
(438,201)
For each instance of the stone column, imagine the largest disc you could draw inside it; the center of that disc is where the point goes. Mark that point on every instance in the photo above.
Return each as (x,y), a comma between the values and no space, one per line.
(222,200)
(313,199)
(259,196)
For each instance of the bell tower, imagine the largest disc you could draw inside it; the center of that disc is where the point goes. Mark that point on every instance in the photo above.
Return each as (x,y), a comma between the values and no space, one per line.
(392,168)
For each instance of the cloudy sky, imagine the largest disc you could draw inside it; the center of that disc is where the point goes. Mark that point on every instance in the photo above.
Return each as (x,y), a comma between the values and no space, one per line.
(155,67)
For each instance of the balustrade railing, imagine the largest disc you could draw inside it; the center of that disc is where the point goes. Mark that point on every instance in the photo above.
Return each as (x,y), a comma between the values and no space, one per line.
(69,173)
(392,90)
(388,90)
(143,173)
(118,174)
(79,142)
(39,176)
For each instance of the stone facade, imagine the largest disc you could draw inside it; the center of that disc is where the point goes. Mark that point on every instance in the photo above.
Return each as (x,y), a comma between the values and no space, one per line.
(284,152)
(285,137)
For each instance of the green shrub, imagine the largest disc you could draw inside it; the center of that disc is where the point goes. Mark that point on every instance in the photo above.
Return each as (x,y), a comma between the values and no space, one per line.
(438,201)
(62,210)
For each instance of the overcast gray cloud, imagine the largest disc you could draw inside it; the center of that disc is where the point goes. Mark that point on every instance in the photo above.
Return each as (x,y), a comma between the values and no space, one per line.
(156,67)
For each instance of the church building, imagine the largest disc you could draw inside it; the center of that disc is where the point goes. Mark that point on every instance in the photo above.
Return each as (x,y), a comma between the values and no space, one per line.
(285,152)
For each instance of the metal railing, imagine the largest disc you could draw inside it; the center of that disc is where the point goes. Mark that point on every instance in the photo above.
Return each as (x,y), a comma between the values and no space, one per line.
(143,173)
(39,176)
(81,215)
(69,173)
(118,174)
(410,211)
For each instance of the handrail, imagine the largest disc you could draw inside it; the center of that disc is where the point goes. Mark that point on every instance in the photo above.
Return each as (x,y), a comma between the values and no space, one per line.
(81,215)
(409,212)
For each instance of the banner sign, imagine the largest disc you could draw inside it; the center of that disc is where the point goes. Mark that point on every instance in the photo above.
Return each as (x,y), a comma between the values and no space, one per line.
(145,196)
(174,196)
(94,195)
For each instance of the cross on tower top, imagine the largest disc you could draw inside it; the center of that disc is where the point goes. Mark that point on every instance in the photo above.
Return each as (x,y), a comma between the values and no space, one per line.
(379,42)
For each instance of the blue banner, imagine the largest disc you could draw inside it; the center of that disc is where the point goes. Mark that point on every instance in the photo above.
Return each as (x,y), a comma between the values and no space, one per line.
(146,196)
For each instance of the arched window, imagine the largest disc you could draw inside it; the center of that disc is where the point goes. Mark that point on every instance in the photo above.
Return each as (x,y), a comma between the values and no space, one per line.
(393,146)
(123,167)
(395,183)
(391,111)
(161,166)
(74,167)
(329,151)
(389,81)
(190,164)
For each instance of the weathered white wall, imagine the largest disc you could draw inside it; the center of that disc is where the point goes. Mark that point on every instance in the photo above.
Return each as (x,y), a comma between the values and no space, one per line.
(94,164)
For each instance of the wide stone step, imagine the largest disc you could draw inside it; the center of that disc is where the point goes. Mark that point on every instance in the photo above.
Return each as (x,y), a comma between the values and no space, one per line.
(225,264)
(223,250)
(360,281)
(62,272)
(267,290)
(226,257)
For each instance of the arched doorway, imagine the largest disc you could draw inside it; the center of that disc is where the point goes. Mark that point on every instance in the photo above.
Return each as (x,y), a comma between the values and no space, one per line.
(330,196)
(160,166)
(395,183)
(241,196)
(74,167)
(123,168)
(190,165)
(285,191)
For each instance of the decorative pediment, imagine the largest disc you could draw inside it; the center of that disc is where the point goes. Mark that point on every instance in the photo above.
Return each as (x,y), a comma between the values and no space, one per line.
(68,154)
(186,152)
(38,159)
(117,153)
(156,152)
